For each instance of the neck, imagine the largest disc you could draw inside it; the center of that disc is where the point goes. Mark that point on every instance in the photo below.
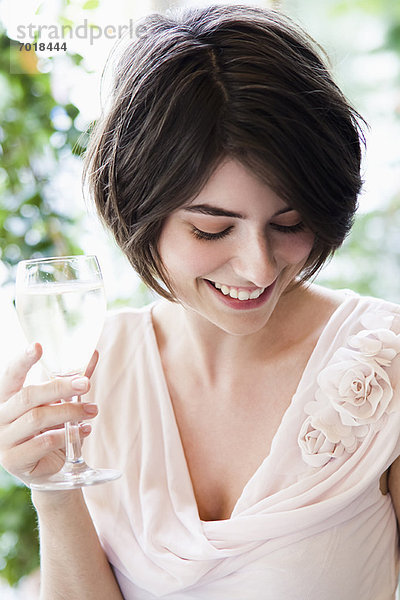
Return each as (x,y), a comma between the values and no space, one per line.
(216,354)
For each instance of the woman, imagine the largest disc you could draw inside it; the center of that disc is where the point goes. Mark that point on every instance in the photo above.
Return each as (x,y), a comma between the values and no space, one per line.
(254,415)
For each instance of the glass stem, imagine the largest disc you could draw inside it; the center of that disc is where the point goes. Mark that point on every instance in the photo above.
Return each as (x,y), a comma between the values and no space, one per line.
(73,449)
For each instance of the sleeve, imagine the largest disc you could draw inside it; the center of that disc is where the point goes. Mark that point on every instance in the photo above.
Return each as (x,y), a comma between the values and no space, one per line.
(113,390)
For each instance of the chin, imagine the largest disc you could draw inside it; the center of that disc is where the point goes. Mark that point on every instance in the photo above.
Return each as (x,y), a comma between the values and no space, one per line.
(239,324)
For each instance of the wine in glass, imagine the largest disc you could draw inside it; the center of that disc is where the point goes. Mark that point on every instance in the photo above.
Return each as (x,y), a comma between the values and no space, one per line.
(61,304)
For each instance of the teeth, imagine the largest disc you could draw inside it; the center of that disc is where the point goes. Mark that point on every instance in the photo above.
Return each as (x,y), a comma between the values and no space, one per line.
(255,294)
(239,294)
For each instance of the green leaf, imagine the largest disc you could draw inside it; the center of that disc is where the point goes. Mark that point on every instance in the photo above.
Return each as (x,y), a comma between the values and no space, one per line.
(19,544)
(91,4)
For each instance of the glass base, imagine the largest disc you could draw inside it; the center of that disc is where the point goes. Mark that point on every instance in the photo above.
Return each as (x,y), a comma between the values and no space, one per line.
(75,475)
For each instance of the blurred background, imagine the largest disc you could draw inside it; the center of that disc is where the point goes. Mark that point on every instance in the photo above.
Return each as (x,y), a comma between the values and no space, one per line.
(50,97)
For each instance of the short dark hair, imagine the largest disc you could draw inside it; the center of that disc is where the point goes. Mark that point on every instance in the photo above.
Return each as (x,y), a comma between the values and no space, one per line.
(199,85)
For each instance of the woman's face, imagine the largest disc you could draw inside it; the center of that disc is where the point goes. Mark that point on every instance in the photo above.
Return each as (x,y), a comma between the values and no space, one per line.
(232,251)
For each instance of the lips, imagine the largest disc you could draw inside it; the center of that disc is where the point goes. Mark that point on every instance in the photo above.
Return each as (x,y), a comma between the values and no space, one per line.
(238,304)
(240,293)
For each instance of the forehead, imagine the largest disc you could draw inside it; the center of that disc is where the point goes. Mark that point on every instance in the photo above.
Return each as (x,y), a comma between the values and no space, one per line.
(233,188)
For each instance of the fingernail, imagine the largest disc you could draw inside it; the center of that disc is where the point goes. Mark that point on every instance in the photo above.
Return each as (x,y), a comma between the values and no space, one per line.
(80,384)
(85,428)
(90,409)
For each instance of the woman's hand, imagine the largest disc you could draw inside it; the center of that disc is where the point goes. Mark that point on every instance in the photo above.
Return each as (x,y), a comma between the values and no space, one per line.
(32,437)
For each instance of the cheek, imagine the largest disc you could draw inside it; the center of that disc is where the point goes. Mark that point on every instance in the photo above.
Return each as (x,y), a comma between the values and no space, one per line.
(203,259)
(183,256)
(295,249)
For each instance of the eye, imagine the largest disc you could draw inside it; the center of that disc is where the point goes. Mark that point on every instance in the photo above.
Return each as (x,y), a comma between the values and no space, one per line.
(206,235)
(289,228)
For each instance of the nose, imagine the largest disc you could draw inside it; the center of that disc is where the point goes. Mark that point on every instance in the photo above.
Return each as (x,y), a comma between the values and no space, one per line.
(254,261)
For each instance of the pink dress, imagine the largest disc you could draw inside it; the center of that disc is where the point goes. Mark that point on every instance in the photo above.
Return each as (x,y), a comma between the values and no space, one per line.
(310,524)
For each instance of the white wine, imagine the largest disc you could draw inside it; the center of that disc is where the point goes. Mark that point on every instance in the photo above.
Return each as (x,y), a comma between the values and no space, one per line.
(66,319)
(61,303)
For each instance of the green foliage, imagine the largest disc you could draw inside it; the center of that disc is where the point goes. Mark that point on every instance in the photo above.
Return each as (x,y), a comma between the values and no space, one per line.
(91,4)
(382,9)
(19,543)
(35,133)
(386,11)
(393,36)
(370,256)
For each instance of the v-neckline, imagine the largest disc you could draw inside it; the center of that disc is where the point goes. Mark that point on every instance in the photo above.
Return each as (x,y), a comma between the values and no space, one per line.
(289,408)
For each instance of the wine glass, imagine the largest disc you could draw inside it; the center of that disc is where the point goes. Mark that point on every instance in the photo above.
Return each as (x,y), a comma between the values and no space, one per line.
(61,304)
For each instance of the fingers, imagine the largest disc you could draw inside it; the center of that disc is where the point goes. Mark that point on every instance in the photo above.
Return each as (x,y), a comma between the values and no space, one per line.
(32,396)
(14,376)
(45,418)
(92,364)
(32,417)
(41,455)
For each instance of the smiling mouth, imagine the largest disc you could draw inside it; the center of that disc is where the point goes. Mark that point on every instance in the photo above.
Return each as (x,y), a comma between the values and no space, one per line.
(237,292)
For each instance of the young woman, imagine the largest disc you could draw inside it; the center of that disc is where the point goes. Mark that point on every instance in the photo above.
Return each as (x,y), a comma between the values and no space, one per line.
(254,415)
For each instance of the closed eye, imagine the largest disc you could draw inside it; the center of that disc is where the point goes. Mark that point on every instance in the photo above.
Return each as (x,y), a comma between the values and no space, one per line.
(289,228)
(206,235)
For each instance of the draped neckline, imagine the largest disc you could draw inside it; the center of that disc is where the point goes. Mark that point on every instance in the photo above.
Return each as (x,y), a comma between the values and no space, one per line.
(176,437)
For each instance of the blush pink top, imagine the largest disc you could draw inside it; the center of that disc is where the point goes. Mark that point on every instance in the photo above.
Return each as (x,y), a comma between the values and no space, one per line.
(310,524)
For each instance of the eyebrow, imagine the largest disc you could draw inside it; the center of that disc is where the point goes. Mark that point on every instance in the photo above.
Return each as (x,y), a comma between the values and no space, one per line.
(207,209)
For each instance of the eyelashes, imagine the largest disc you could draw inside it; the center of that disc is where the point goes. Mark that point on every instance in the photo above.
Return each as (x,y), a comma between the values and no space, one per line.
(205,235)
(291,228)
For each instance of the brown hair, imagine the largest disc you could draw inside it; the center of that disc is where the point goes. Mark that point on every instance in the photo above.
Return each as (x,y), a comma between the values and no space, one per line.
(199,85)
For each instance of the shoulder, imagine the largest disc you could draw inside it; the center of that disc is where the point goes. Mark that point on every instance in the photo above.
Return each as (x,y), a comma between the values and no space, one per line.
(357,306)
(333,295)
(357,399)
(127,354)
(368,330)
(124,328)
(377,314)
(124,343)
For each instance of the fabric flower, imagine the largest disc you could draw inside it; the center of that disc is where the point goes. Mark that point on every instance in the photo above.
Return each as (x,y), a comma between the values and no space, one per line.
(382,345)
(323,435)
(354,394)
(315,447)
(360,391)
